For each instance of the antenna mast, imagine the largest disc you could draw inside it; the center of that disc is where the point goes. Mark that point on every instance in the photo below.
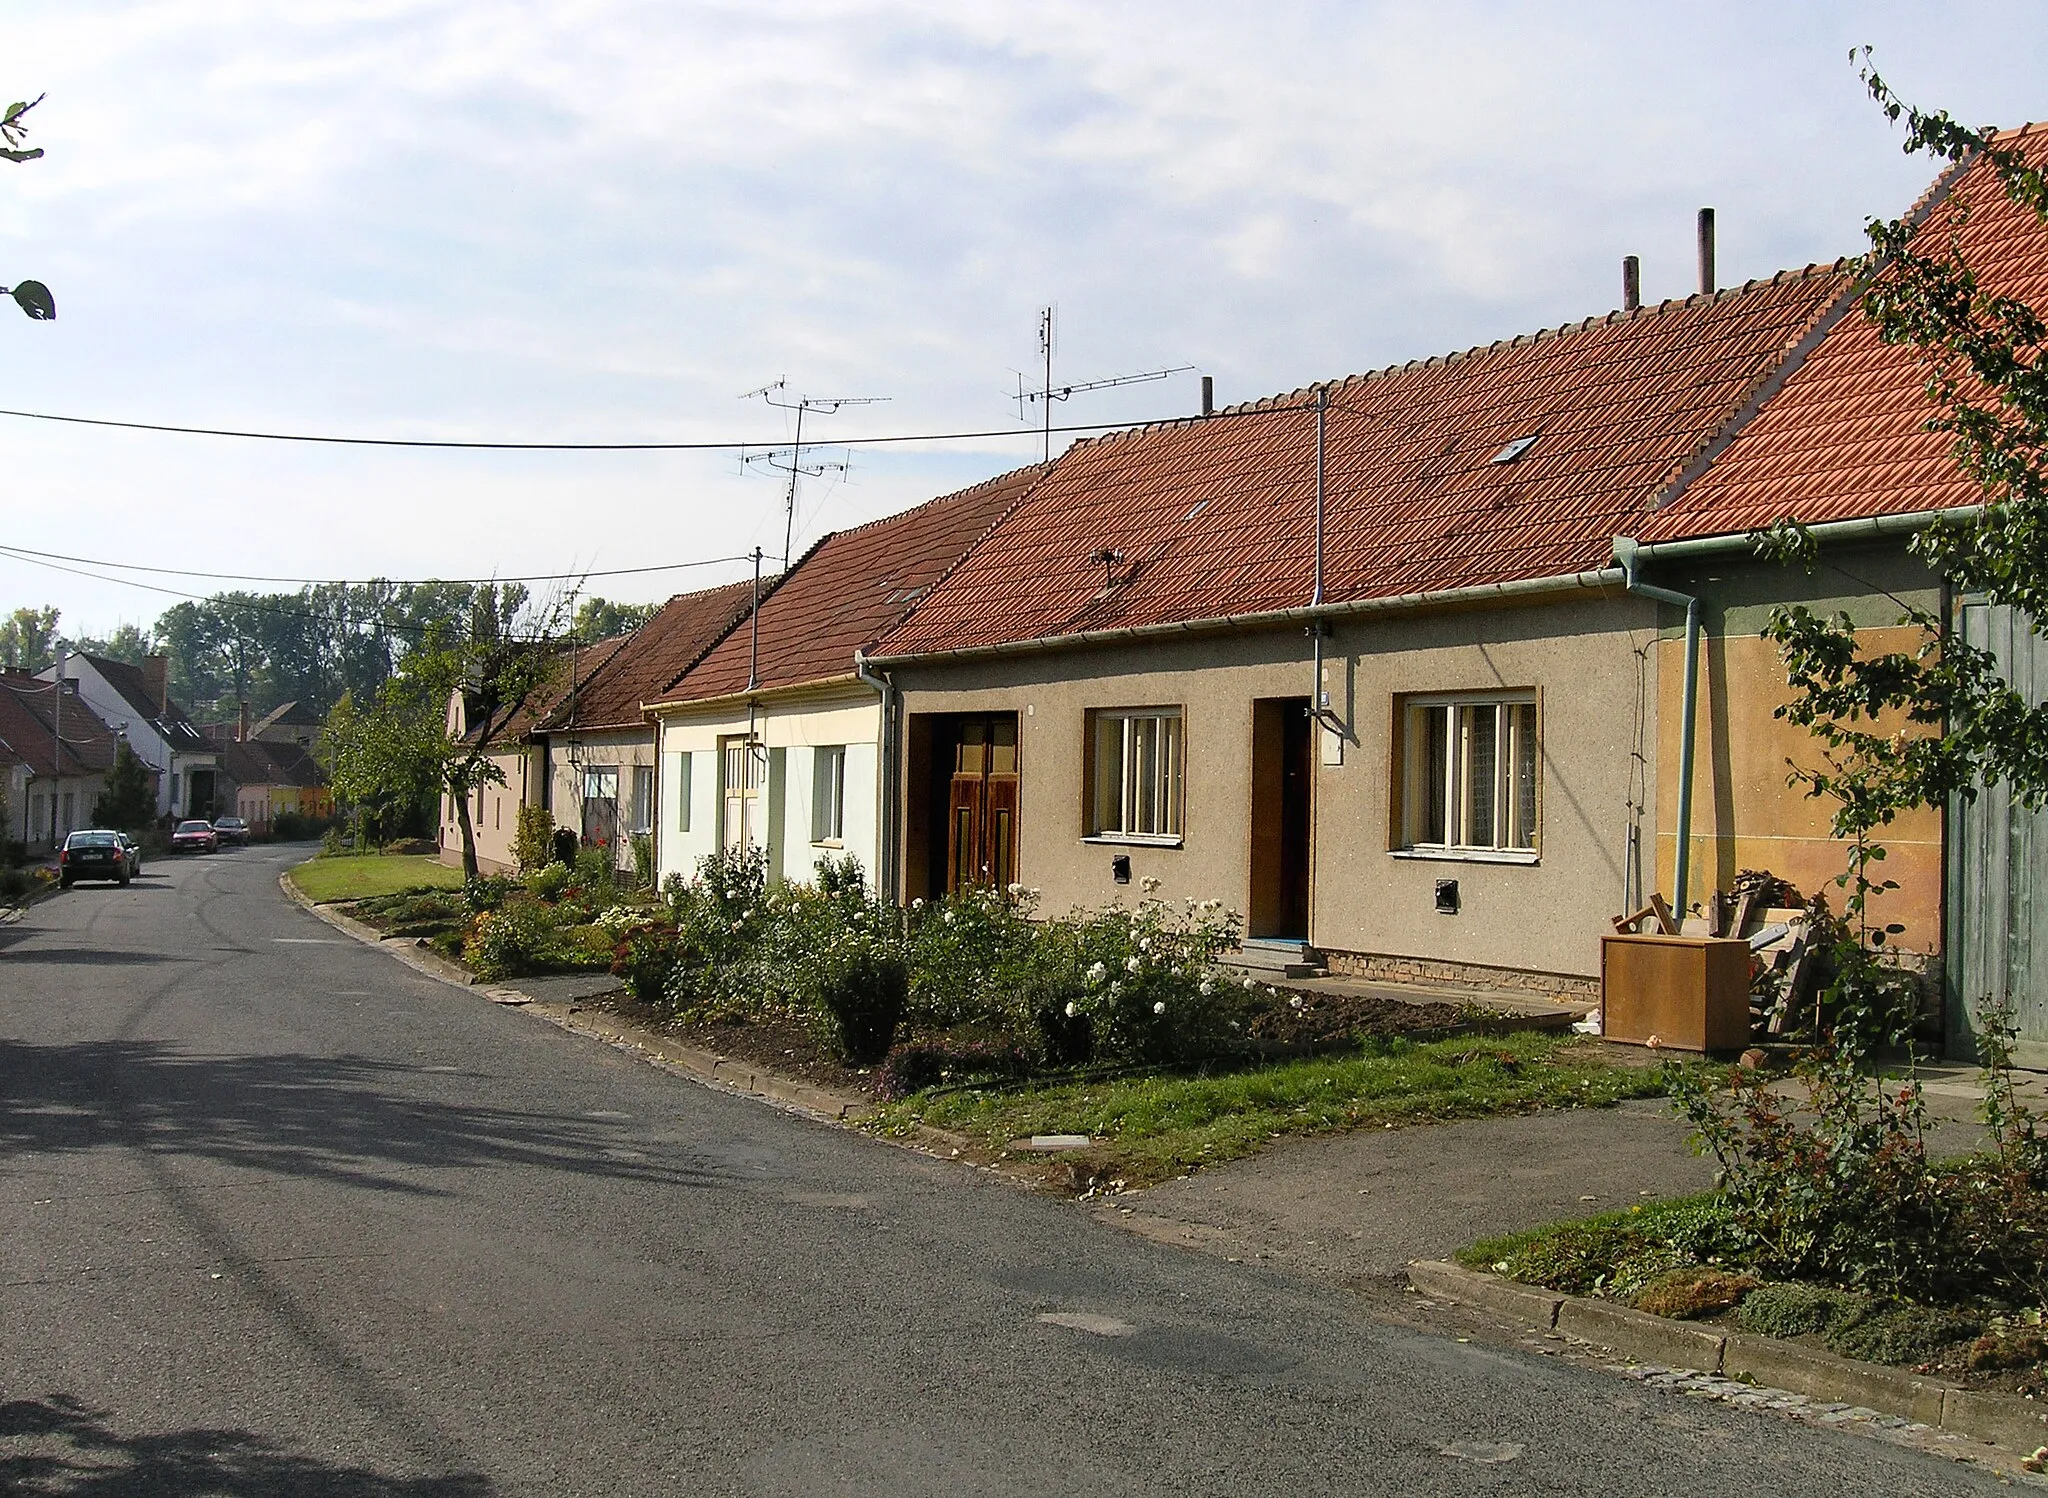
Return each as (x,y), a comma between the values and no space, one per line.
(793,464)
(1047,393)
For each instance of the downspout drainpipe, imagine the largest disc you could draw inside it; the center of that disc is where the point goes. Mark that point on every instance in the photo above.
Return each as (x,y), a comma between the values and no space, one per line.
(1317,698)
(885,843)
(1626,552)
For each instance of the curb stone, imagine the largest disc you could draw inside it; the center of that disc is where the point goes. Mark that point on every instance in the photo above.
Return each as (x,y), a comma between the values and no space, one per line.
(737,1076)
(1749,1370)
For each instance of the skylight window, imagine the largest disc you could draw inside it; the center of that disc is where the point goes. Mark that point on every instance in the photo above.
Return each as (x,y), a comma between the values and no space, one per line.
(1516,448)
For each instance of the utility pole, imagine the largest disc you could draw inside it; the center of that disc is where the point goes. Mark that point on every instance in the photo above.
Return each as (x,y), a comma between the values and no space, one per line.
(1047,393)
(57,744)
(795,466)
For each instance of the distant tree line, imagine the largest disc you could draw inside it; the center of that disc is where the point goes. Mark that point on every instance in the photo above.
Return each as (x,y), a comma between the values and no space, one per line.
(311,646)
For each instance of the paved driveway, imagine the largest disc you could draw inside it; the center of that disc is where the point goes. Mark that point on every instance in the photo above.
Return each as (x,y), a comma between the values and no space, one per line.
(279,1216)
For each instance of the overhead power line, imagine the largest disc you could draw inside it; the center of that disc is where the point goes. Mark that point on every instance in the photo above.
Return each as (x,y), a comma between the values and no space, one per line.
(897,439)
(27,554)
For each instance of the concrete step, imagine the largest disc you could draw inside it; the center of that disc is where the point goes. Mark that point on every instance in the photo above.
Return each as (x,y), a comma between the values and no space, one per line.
(1268,958)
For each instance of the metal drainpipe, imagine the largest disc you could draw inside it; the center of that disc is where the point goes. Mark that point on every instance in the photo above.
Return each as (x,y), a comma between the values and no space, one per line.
(1625,552)
(885,843)
(1316,698)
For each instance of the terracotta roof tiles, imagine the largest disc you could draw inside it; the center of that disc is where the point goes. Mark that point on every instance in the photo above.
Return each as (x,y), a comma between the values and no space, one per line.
(1846,438)
(852,587)
(1214,517)
(652,657)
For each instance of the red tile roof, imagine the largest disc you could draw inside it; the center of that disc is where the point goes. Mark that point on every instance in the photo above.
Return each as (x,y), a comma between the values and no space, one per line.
(852,587)
(575,663)
(26,728)
(1214,517)
(652,657)
(1846,437)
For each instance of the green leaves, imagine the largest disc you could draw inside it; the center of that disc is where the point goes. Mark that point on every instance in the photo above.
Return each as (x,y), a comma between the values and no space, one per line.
(34,298)
(12,131)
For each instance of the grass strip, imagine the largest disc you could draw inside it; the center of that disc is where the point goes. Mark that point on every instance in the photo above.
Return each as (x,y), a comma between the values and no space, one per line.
(359,876)
(1150,1128)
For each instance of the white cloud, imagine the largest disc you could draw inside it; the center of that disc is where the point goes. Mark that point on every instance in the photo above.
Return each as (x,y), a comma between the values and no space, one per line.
(605,220)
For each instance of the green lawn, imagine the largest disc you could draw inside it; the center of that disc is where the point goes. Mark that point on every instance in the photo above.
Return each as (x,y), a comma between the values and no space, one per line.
(1150,1128)
(358,876)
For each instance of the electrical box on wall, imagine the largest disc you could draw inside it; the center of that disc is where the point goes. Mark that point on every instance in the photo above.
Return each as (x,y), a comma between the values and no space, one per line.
(1120,868)
(1447,897)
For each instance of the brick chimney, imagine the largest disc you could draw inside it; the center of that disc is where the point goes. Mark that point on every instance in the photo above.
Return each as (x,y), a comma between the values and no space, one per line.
(156,677)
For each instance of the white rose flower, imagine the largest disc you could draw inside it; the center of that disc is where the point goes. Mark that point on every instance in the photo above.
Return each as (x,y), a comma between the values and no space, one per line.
(1160,1007)
(1115,989)
(1096,974)
(1071,1010)
(1131,964)
(1295,1002)
(918,903)
(949,918)
(1208,987)
(1249,985)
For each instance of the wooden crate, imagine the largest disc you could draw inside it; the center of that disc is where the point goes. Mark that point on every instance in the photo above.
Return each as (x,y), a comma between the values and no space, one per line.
(1690,993)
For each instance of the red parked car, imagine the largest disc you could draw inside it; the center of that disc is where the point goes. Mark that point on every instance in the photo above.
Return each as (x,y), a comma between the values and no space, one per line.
(195,837)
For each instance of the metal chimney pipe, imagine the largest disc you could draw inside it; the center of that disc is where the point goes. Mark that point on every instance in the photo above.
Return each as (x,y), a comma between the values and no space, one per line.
(1208,395)
(1708,285)
(1631,283)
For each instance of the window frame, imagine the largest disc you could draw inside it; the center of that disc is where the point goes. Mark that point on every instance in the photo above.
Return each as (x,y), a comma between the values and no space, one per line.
(1168,753)
(1515,772)
(828,796)
(643,798)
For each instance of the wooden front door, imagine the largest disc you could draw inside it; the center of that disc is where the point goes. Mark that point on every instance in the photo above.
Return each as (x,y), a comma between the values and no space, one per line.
(981,804)
(1282,778)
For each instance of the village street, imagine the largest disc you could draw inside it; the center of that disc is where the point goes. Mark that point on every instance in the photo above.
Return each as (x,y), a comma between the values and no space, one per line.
(278,1215)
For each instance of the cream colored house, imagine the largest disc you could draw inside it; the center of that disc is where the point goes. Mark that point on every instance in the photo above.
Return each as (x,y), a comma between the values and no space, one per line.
(1359,662)
(774,739)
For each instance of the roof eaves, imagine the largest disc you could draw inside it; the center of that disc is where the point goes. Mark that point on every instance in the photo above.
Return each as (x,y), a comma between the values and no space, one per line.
(1521,589)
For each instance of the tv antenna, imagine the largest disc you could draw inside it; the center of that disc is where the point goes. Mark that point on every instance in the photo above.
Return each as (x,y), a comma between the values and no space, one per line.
(1047,393)
(790,460)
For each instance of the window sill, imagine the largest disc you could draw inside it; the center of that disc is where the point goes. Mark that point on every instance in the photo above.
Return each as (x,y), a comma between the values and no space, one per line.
(1133,840)
(1468,855)
(828,842)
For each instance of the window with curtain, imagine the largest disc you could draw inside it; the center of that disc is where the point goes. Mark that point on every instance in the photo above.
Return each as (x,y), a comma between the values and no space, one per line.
(1469,772)
(1135,773)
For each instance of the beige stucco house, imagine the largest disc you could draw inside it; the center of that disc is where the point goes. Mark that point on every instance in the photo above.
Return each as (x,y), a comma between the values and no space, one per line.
(1358,661)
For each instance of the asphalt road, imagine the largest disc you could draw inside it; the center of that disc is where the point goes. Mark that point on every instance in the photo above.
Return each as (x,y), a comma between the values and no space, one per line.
(278,1215)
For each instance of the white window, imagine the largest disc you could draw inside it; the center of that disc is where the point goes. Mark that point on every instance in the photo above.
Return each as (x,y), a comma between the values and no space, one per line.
(1135,773)
(1469,772)
(828,793)
(643,798)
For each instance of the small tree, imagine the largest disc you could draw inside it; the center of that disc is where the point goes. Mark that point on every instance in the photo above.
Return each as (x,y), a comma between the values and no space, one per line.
(1986,379)
(503,664)
(127,799)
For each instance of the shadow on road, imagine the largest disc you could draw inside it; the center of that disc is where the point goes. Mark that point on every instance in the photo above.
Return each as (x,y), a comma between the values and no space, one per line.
(58,1446)
(344,1119)
(95,957)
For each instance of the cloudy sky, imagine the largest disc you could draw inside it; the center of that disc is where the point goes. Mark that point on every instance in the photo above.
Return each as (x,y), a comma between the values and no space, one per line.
(602,220)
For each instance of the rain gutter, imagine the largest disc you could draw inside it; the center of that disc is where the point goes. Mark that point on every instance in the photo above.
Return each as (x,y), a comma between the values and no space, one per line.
(1598,580)
(885,844)
(1629,554)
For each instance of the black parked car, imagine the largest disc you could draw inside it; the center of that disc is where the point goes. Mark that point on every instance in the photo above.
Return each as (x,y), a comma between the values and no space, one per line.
(94,855)
(231,830)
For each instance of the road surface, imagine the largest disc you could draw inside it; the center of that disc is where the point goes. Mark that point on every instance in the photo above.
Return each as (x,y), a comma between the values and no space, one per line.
(278,1215)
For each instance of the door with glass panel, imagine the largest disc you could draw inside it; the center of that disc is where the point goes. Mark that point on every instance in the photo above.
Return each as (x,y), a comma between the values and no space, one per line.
(743,766)
(981,803)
